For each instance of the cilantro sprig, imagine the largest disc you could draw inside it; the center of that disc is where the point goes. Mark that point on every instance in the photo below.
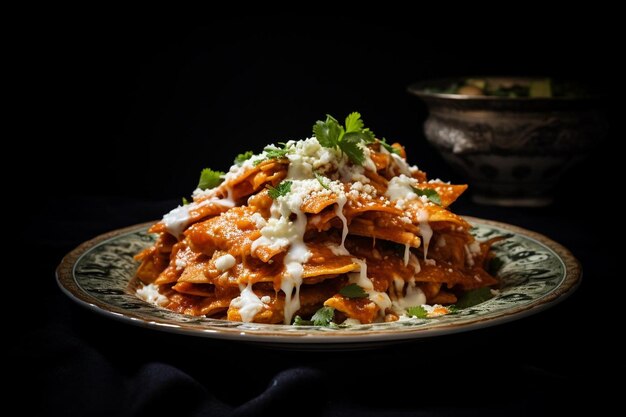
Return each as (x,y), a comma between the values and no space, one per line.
(331,134)
(273,153)
(322,317)
(299,321)
(276,153)
(243,157)
(417,311)
(431,194)
(210,179)
(353,291)
(280,190)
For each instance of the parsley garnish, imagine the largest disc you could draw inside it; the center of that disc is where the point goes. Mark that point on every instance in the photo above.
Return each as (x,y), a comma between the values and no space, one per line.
(323,317)
(428,192)
(353,291)
(299,321)
(210,179)
(473,297)
(350,146)
(330,134)
(354,122)
(387,146)
(280,190)
(185,201)
(320,179)
(273,153)
(243,157)
(276,153)
(417,311)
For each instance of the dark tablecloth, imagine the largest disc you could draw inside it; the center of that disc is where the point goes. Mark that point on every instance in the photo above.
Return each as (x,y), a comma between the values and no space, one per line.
(72,362)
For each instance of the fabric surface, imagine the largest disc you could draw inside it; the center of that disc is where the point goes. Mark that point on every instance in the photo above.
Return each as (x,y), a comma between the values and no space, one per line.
(73,362)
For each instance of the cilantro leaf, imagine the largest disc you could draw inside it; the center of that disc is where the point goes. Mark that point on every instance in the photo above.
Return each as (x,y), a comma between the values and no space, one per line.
(185,201)
(473,297)
(243,157)
(388,147)
(299,321)
(209,179)
(367,136)
(273,153)
(353,291)
(417,311)
(323,317)
(276,153)
(428,192)
(320,179)
(354,122)
(350,146)
(330,134)
(281,189)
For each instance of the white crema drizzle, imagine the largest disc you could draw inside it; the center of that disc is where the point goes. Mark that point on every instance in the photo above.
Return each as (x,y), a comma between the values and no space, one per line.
(399,190)
(281,231)
(341,202)
(360,278)
(177,220)
(248,304)
(310,164)
(305,159)
(425,230)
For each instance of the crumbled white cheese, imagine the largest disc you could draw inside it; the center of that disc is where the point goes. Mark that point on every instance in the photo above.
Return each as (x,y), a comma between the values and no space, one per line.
(474,248)
(400,188)
(225,262)
(438,181)
(258,220)
(181,264)
(150,293)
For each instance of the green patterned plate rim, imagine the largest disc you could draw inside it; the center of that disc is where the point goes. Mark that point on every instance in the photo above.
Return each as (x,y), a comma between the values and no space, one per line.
(535,272)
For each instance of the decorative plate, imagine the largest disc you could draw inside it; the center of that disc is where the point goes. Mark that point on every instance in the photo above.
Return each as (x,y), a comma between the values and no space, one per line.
(535,272)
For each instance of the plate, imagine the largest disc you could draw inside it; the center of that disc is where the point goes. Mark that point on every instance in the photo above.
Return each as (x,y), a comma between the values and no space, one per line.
(535,272)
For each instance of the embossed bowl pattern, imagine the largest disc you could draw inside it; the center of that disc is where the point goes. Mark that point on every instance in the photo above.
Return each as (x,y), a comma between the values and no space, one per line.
(513,151)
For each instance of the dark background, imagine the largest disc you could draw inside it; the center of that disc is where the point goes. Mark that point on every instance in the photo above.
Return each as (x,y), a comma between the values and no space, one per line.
(133,115)
(151,108)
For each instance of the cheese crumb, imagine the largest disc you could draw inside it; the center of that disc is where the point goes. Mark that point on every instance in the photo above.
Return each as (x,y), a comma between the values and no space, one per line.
(225,262)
